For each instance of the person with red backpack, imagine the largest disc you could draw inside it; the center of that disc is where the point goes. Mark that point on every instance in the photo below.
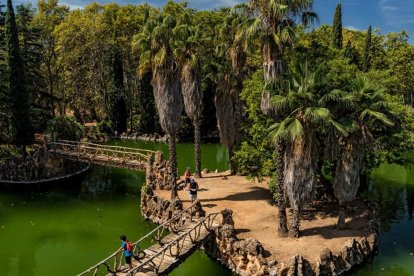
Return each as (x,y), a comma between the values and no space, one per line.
(126,245)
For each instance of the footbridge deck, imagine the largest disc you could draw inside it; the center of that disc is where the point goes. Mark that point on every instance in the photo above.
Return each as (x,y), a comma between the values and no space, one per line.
(107,155)
(185,235)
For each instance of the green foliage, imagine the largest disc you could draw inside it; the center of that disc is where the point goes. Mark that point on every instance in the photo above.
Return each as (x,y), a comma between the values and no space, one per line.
(106,127)
(337,28)
(366,60)
(65,128)
(19,96)
(395,144)
(118,110)
(273,188)
(254,158)
(147,110)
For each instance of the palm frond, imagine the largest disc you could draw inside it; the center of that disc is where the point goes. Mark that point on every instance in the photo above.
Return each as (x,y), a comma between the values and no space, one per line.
(333,96)
(318,115)
(379,116)
(288,129)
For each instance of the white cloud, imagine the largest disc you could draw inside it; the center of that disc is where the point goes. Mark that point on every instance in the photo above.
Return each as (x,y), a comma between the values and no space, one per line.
(352,28)
(396,13)
(389,8)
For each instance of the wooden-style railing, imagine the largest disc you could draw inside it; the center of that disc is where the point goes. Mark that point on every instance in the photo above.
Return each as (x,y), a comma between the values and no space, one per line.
(175,247)
(100,153)
(113,262)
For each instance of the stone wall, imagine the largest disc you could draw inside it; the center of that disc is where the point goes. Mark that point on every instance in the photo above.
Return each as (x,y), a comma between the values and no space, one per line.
(158,172)
(160,210)
(245,256)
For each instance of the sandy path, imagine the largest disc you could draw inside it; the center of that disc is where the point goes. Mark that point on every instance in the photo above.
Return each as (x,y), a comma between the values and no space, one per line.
(255,217)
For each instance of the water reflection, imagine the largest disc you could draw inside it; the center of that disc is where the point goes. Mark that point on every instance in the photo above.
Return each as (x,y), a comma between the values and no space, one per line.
(108,183)
(392,187)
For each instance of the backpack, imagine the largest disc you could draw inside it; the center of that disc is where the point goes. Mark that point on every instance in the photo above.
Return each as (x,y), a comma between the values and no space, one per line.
(129,246)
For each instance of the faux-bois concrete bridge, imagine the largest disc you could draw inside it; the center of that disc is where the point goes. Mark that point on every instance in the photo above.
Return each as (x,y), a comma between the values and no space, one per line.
(186,233)
(113,156)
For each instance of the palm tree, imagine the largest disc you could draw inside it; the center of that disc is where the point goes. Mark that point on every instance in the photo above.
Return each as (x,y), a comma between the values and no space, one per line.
(365,109)
(189,47)
(273,26)
(156,45)
(224,101)
(230,60)
(302,107)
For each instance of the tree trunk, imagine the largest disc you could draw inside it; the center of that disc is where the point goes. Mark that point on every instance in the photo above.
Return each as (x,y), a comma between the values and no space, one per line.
(294,228)
(272,68)
(231,163)
(341,217)
(281,202)
(173,163)
(24,153)
(197,146)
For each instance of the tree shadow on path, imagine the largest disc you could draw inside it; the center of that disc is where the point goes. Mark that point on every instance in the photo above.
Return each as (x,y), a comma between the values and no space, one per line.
(255,193)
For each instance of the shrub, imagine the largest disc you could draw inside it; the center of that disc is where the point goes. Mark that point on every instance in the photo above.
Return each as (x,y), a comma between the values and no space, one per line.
(274,188)
(105,127)
(65,128)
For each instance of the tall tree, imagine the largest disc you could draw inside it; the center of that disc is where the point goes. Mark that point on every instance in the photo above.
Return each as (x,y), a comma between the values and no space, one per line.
(337,28)
(156,44)
(366,110)
(49,15)
(19,96)
(366,62)
(32,54)
(148,112)
(189,48)
(274,26)
(351,53)
(118,104)
(4,95)
(304,113)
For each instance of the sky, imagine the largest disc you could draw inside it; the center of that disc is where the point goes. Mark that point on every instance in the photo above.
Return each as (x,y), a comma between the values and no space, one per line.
(384,15)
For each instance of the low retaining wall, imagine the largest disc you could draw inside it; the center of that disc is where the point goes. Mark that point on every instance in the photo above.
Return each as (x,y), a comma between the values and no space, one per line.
(245,256)
(160,210)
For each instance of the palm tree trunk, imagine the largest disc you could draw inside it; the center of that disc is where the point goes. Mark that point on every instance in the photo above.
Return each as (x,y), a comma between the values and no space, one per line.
(172,145)
(281,202)
(272,68)
(341,217)
(197,146)
(231,162)
(294,228)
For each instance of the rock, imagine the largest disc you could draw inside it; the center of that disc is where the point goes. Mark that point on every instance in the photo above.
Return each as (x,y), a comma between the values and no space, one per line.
(205,171)
(227,215)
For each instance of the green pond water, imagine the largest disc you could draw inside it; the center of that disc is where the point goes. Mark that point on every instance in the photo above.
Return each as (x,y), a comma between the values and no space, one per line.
(65,229)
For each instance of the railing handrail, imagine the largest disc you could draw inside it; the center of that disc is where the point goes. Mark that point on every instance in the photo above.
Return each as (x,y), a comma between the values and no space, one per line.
(140,240)
(103,149)
(167,246)
(102,146)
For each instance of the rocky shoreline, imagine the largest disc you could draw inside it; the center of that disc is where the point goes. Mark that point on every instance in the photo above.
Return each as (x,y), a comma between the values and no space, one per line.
(246,256)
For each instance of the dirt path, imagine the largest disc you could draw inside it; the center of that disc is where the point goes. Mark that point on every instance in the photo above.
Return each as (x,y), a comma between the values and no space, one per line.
(255,217)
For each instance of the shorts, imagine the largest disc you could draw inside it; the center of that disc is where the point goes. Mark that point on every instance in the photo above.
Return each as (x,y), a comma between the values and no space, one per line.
(193,197)
(128,259)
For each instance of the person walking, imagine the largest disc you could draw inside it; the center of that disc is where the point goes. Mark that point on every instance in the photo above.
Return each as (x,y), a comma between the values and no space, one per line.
(193,189)
(187,176)
(127,247)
